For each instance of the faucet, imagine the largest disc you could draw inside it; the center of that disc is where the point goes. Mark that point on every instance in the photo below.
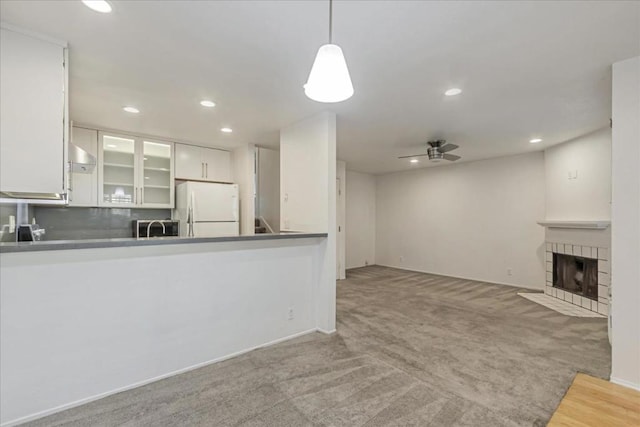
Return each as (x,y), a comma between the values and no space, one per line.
(158,221)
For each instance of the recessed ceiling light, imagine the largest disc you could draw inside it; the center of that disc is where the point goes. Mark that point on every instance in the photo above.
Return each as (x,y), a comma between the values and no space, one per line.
(207,103)
(453,91)
(414,160)
(101,6)
(226,130)
(133,110)
(535,140)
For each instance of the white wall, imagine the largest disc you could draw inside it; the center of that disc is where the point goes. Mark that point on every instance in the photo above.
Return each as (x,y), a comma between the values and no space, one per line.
(472,220)
(625,216)
(578,178)
(243,164)
(66,339)
(341,219)
(268,191)
(304,186)
(361,219)
(308,198)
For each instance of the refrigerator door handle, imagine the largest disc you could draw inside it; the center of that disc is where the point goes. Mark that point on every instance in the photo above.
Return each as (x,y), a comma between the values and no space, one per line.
(191,220)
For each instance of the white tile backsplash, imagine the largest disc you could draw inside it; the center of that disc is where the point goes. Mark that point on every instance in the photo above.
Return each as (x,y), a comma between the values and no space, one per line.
(577,250)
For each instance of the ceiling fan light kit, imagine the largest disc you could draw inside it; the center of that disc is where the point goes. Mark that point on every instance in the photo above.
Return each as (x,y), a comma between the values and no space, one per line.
(329,79)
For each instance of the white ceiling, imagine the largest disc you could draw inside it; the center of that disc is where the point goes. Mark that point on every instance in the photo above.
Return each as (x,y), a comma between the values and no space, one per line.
(527,69)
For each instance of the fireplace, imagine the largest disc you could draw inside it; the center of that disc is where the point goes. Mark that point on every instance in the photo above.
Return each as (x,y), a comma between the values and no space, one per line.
(576,274)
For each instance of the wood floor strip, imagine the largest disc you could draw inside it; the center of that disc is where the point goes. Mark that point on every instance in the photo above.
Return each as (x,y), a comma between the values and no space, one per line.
(592,402)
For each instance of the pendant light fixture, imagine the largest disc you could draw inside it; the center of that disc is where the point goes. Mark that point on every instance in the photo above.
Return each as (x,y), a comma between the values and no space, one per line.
(329,79)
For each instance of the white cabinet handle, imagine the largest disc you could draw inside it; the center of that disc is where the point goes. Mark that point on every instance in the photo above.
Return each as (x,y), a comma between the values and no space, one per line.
(202,171)
(206,170)
(70,186)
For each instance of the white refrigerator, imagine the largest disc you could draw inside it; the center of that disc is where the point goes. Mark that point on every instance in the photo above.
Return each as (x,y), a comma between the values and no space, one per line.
(207,209)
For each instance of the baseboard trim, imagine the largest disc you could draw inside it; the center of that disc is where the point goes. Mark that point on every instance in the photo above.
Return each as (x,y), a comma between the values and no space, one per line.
(324,331)
(465,278)
(84,401)
(625,383)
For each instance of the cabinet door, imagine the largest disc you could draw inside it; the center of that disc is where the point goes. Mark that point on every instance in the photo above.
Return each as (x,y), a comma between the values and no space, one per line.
(156,182)
(83,187)
(117,181)
(217,165)
(32,78)
(189,164)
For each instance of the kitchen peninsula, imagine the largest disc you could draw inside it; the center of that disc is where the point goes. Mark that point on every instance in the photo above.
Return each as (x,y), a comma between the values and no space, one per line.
(106,315)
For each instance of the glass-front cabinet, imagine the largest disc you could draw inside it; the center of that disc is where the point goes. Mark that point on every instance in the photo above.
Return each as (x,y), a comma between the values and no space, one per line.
(156,186)
(135,172)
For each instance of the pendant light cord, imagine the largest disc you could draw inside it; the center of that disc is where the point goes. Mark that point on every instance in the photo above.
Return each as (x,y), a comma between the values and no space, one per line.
(330,20)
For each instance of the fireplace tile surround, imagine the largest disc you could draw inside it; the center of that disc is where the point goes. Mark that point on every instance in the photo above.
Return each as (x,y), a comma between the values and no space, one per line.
(600,306)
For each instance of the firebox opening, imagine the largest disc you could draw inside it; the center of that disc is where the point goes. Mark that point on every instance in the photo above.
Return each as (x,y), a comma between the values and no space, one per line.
(576,274)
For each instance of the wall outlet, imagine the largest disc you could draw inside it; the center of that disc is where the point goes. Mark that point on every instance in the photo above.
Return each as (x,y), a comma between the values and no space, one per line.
(509,272)
(401,258)
(290,313)
(366,262)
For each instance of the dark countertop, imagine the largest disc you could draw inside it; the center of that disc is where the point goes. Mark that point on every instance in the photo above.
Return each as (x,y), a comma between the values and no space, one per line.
(56,245)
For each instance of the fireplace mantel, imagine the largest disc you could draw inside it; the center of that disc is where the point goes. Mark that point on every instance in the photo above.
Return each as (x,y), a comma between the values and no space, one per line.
(590,225)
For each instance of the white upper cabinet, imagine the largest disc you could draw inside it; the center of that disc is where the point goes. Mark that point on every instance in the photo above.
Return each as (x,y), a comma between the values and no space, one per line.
(202,164)
(135,172)
(32,114)
(83,187)
(217,165)
(189,164)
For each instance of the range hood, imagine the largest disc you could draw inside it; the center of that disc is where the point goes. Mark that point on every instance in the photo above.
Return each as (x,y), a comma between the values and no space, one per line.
(80,161)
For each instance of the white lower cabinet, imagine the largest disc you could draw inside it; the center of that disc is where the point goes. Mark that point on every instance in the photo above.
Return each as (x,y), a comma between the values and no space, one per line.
(202,164)
(135,172)
(83,187)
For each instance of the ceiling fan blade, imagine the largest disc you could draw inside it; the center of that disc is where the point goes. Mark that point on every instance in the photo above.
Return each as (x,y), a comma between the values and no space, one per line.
(448,147)
(451,157)
(415,155)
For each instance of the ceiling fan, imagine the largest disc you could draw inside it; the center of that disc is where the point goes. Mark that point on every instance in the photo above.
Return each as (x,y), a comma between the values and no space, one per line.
(436,151)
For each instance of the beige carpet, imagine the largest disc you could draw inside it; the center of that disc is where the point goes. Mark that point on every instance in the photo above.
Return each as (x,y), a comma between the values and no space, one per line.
(411,349)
